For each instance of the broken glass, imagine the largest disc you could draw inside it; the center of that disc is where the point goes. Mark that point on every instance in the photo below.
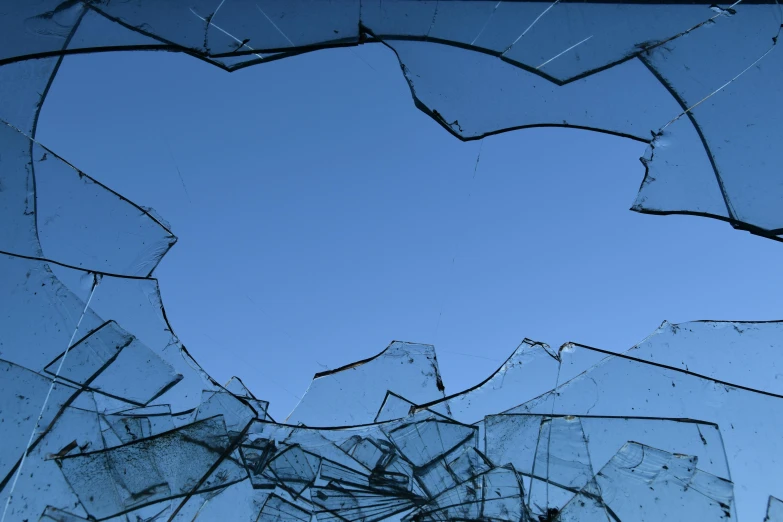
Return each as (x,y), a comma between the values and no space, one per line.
(105,414)
(651,389)
(774,510)
(409,369)
(639,478)
(555,48)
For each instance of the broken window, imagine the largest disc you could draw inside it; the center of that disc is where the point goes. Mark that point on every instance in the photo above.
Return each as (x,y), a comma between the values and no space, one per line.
(105,416)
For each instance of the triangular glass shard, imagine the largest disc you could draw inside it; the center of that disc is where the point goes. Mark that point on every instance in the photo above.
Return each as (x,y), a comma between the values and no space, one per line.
(562,464)
(530,371)
(424,441)
(774,510)
(277,509)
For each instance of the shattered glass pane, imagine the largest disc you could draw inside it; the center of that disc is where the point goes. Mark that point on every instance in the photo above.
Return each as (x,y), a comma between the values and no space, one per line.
(105,415)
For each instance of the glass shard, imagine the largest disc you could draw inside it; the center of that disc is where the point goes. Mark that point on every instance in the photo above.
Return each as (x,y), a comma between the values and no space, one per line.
(350,395)
(774,510)
(147,470)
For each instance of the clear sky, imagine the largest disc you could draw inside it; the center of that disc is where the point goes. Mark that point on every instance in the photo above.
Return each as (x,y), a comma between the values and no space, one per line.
(320,216)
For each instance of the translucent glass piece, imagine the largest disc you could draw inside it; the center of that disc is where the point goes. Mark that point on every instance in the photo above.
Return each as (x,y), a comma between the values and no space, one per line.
(147,470)
(393,407)
(137,376)
(644,483)
(176,22)
(279,24)
(22,395)
(238,388)
(435,478)
(335,503)
(236,413)
(74,432)
(740,111)
(57,515)
(471,463)
(568,40)
(142,422)
(91,354)
(473,94)
(294,469)
(774,510)
(97,31)
(462,502)
(35,297)
(495,495)
(530,371)
(350,395)
(679,177)
(522,439)
(277,508)
(743,352)
(135,304)
(239,499)
(113,362)
(422,442)
(561,465)
(398,18)
(502,495)
(34,28)
(72,225)
(17,199)
(318,442)
(584,508)
(21,85)
(631,386)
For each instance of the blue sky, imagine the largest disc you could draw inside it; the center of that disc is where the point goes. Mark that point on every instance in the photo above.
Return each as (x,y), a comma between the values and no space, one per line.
(320,216)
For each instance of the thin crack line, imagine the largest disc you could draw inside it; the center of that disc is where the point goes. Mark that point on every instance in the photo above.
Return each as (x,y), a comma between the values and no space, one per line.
(275,26)
(48,395)
(489,18)
(529,27)
(716,91)
(478,158)
(181,179)
(218,9)
(210,23)
(237,40)
(434,17)
(562,53)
